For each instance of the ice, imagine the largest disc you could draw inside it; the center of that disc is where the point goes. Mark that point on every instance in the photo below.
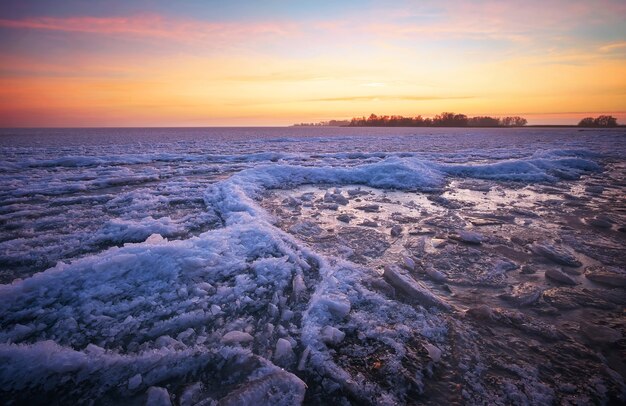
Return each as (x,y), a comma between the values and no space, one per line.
(560,276)
(433,352)
(191,395)
(279,389)
(134,382)
(600,334)
(545,166)
(559,255)
(524,294)
(158,397)
(344,218)
(412,288)
(608,276)
(331,335)
(283,353)
(336,304)
(569,298)
(435,274)
(196,269)
(470,237)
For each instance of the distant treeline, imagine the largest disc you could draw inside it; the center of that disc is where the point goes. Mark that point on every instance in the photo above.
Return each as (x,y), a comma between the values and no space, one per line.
(440,120)
(331,123)
(600,121)
(449,120)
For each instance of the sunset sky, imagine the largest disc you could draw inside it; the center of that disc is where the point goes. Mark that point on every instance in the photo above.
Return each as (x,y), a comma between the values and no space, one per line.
(204,63)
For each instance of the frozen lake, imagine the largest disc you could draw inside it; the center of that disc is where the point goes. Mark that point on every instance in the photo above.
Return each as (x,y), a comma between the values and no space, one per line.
(343,265)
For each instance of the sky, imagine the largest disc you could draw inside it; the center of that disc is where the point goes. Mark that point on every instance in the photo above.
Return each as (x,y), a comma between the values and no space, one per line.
(244,63)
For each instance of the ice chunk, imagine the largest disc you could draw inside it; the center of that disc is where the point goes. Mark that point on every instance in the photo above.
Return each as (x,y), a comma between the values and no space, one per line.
(298,287)
(435,274)
(344,218)
(600,334)
(338,305)
(304,358)
(332,335)
(438,242)
(306,228)
(155,239)
(283,353)
(469,237)
(412,288)
(385,288)
(523,294)
(369,208)
(236,337)
(433,352)
(134,382)
(560,276)
(287,315)
(191,394)
(158,397)
(368,223)
(409,263)
(336,197)
(276,389)
(556,254)
(396,230)
(607,276)
(215,309)
(571,298)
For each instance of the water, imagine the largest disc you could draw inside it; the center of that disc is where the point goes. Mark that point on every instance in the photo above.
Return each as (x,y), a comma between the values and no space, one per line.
(142,248)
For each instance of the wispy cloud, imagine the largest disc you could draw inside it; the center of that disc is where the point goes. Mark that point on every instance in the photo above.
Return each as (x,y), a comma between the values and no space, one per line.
(152,26)
(387,98)
(281,77)
(615,46)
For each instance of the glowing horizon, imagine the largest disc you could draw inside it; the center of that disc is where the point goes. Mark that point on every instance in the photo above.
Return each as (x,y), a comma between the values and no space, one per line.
(279,63)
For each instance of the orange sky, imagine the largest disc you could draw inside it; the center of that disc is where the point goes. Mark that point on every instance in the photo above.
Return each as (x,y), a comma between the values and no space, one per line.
(552,62)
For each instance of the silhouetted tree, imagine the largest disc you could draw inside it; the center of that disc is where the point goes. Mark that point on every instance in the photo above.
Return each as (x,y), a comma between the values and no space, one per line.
(600,121)
(483,121)
(605,121)
(445,119)
(513,121)
(520,121)
(586,122)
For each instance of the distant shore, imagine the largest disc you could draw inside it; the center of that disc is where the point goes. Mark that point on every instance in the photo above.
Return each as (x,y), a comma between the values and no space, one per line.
(453,120)
(459,126)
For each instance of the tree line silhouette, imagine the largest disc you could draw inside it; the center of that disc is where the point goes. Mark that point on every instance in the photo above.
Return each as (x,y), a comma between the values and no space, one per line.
(600,121)
(440,120)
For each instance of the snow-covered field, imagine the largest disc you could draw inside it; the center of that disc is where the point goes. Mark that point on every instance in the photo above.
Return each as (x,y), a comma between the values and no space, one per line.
(316,265)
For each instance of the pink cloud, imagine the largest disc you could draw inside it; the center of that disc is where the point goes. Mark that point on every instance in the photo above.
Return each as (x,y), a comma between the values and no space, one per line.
(521,21)
(152,26)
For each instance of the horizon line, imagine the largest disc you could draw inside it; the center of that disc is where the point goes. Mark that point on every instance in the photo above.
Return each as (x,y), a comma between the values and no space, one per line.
(295,125)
